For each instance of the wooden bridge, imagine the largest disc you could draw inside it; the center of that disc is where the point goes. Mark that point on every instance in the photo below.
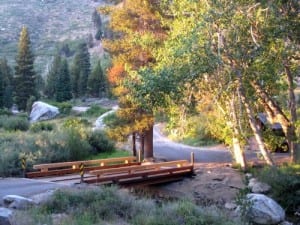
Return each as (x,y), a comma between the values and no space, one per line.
(122,171)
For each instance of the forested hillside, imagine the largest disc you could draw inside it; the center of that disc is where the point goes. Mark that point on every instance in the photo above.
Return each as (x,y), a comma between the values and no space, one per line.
(49,22)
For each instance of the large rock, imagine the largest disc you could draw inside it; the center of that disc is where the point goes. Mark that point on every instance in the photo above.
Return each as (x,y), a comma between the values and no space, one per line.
(42,111)
(264,210)
(5,216)
(17,202)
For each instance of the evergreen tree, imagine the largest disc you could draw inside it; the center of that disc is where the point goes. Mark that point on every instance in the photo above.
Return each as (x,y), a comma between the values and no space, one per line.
(75,74)
(1,90)
(24,71)
(96,18)
(81,70)
(52,77)
(7,89)
(63,86)
(97,82)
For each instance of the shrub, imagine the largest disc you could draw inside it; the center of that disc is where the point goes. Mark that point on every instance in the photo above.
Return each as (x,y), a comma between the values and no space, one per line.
(110,204)
(64,107)
(285,185)
(14,123)
(5,112)
(41,126)
(77,145)
(100,142)
(95,110)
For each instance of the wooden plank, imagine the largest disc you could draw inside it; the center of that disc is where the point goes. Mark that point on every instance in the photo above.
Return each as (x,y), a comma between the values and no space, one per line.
(60,172)
(142,175)
(134,169)
(75,164)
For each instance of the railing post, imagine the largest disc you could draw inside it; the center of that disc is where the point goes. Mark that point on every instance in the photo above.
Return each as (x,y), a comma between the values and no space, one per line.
(81,169)
(139,155)
(23,162)
(192,158)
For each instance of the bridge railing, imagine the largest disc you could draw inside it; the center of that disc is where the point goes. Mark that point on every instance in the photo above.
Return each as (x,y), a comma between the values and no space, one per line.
(61,168)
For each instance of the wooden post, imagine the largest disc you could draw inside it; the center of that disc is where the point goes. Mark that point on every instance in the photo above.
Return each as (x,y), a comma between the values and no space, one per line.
(23,162)
(81,168)
(192,158)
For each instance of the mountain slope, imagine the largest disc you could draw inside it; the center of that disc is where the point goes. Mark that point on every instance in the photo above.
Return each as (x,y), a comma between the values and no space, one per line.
(48,22)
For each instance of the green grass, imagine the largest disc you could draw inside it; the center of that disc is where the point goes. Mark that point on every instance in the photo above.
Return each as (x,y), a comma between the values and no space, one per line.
(110,205)
(114,154)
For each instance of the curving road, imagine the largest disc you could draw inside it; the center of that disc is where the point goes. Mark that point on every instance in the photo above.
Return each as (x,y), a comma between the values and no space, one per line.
(169,150)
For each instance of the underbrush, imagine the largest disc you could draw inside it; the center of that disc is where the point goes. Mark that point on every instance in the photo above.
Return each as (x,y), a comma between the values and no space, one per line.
(112,205)
(95,111)
(14,123)
(285,184)
(47,143)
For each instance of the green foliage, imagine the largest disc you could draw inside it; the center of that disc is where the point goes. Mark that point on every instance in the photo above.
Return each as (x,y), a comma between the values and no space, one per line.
(273,141)
(80,70)
(63,83)
(41,147)
(14,123)
(95,110)
(52,77)
(97,84)
(64,107)
(285,184)
(5,112)
(77,144)
(91,207)
(100,142)
(24,79)
(6,82)
(41,126)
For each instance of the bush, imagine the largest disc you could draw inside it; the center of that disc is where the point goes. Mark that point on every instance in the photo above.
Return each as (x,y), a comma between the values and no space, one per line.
(41,126)
(77,145)
(14,123)
(285,185)
(100,142)
(91,207)
(95,111)
(5,112)
(64,107)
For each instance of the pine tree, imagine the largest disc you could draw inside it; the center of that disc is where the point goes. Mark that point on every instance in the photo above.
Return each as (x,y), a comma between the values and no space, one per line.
(52,77)
(97,82)
(1,90)
(63,86)
(98,24)
(7,89)
(75,74)
(24,71)
(81,70)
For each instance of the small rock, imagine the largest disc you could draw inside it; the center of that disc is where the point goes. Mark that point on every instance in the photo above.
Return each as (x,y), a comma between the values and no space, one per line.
(248,175)
(17,202)
(230,205)
(258,187)
(264,210)
(5,216)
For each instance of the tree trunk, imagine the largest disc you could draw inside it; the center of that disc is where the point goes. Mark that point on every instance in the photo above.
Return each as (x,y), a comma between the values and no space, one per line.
(148,153)
(142,144)
(134,144)
(238,153)
(256,131)
(293,111)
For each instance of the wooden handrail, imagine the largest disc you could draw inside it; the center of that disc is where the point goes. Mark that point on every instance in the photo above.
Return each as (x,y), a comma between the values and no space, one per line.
(75,164)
